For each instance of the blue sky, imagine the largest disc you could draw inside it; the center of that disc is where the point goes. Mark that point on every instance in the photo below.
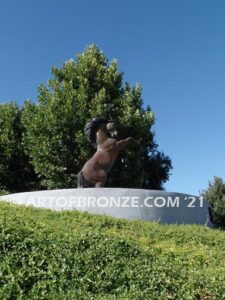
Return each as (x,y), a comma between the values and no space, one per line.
(175,49)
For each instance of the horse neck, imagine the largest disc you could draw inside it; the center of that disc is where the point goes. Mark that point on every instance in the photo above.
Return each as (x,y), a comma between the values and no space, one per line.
(101,137)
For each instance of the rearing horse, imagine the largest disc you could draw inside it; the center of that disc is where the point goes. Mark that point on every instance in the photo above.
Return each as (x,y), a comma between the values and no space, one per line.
(101,132)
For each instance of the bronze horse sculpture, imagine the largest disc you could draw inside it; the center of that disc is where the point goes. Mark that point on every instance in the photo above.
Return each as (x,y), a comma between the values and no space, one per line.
(103,134)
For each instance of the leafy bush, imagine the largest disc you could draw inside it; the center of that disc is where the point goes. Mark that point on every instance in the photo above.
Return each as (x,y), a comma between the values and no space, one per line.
(74,255)
(3,192)
(215,194)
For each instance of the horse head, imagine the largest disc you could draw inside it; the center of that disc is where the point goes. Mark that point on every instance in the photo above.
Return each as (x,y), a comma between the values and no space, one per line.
(111,128)
(99,129)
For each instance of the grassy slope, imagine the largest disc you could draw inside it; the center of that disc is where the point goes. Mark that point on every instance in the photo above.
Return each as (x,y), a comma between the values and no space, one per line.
(73,255)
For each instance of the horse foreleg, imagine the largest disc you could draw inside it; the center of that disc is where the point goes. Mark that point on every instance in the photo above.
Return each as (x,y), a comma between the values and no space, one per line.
(122,144)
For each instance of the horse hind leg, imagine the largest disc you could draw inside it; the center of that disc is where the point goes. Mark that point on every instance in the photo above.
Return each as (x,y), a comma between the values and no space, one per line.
(100,184)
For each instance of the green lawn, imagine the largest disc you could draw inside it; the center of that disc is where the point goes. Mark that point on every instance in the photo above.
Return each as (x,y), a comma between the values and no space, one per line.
(73,255)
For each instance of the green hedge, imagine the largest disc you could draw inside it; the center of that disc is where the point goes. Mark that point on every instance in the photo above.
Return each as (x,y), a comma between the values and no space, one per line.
(3,192)
(73,255)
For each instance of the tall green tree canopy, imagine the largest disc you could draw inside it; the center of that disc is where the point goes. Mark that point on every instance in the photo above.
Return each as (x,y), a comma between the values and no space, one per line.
(215,194)
(88,87)
(16,171)
(45,143)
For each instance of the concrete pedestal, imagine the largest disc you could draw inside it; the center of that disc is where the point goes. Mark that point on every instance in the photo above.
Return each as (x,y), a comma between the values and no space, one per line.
(132,204)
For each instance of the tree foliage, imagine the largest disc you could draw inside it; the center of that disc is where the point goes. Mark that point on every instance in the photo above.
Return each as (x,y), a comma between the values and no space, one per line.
(43,145)
(88,87)
(215,194)
(16,171)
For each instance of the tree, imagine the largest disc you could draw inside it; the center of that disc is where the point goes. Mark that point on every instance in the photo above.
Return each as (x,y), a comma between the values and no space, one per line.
(78,91)
(215,194)
(16,171)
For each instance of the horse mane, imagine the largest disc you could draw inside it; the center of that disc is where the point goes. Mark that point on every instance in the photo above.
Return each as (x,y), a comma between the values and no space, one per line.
(91,128)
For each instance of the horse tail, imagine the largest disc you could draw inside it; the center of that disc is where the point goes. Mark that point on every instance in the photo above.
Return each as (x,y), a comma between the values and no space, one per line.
(79,180)
(82,182)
